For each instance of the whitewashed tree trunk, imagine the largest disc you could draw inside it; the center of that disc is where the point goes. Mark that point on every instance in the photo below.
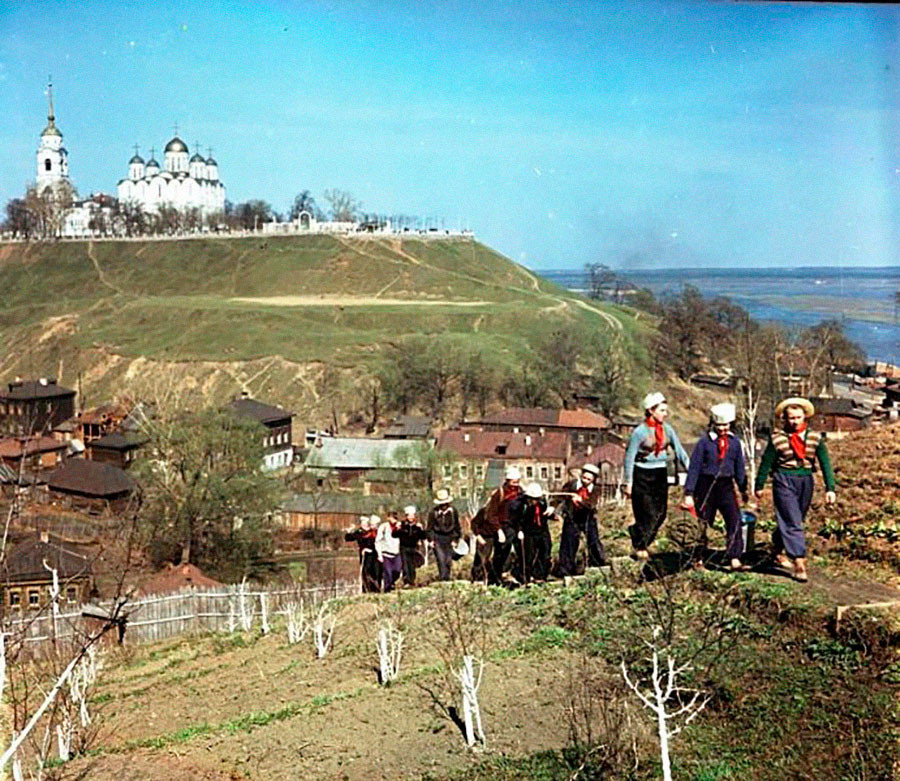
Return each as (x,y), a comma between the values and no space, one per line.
(664,688)
(323,629)
(471,710)
(54,597)
(64,732)
(390,646)
(246,613)
(297,622)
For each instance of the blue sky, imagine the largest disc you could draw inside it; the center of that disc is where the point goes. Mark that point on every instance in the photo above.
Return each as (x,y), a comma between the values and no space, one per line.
(645,134)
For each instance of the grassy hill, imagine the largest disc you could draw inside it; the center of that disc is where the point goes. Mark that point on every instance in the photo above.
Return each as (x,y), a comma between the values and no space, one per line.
(266,314)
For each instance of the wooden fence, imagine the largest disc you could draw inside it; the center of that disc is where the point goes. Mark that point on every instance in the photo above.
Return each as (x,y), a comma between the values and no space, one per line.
(163,616)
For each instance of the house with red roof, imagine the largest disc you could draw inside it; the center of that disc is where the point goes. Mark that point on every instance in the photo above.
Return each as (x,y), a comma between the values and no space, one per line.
(470,460)
(583,427)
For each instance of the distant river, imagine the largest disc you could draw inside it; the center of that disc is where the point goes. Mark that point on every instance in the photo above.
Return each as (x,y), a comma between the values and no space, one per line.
(862,298)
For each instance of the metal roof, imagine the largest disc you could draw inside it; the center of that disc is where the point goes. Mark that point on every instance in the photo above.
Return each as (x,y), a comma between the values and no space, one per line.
(362,453)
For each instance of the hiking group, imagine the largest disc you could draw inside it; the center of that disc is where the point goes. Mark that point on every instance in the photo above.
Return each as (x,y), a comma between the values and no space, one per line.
(511,536)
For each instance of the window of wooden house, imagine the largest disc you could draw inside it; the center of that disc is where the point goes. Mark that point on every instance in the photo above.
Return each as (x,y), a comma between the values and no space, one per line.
(545,473)
(529,471)
(464,490)
(593,436)
(557,473)
(463,471)
(72,594)
(479,470)
(447,471)
(581,437)
(34,597)
(15,598)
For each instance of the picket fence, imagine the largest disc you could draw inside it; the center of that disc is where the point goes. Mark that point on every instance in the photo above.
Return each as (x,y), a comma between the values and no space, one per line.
(159,617)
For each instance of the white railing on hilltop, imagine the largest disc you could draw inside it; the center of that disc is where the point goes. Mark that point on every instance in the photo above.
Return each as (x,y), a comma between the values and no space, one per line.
(162,616)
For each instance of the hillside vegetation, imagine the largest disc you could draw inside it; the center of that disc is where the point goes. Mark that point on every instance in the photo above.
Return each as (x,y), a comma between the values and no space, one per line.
(268,314)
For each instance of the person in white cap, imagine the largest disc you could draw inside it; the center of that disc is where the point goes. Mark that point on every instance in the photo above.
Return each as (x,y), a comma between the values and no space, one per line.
(579,513)
(531,521)
(444,531)
(791,457)
(364,537)
(717,465)
(410,533)
(387,546)
(493,531)
(646,473)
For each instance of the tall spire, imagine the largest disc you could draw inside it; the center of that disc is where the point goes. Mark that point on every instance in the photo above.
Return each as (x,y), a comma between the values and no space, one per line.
(51,129)
(50,116)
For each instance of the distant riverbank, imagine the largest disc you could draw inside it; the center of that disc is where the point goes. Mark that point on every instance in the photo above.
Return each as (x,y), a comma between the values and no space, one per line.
(862,298)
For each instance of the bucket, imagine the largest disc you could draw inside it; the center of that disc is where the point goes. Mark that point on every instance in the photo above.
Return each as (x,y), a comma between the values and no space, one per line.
(748,528)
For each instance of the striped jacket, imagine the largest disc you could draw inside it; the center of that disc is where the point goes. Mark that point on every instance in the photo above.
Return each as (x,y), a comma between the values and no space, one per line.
(779,456)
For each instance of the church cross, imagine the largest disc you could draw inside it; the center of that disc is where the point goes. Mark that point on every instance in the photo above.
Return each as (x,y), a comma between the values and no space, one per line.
(136,148)
(175,128)
(152,152)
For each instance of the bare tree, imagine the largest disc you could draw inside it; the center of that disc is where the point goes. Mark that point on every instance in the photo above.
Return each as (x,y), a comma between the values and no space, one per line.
(344,207)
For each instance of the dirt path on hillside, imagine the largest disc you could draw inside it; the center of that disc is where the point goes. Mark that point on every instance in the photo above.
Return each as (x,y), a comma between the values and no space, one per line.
(352,301)
(100,274)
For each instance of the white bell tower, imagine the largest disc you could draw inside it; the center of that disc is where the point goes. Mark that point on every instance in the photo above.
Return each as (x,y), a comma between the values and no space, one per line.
(52,157)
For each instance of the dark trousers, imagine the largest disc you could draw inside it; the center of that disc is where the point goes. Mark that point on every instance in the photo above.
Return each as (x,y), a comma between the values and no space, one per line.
(717,495)
(408,560)
(490,559)
(443,554)
(649,496)
(392,566)
(792,495)
(533,556)
(570,539)
(371,571)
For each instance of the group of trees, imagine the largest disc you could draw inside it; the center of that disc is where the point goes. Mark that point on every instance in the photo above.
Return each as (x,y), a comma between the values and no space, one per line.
(441,376)
(39,215)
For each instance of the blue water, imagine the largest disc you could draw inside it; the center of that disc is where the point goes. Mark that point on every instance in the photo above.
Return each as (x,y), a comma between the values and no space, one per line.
(851,286)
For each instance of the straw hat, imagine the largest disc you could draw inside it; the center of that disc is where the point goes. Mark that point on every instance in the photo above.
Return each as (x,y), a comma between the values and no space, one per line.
(652,400)
(795,401)
(442,496)
(591,469)
(722,413)
(534,490)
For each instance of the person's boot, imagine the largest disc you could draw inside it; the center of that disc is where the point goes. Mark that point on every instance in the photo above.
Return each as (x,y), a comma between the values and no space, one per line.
(801,574)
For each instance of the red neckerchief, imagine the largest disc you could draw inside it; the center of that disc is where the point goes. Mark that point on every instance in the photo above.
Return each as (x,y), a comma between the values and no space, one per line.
(368,534)
(584,492)
(660,436)
(722,444)
(797,443)
(510,492)
(537,514)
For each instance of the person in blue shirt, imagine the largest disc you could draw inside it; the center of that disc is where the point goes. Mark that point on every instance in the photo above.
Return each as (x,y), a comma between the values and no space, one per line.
(646,476)
(717,465)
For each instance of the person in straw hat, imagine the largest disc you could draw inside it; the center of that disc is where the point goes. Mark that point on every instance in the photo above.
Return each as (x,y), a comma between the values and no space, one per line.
(791,457)
(493,532)
(444,531)
(646,473)
(579,513)
(717,465)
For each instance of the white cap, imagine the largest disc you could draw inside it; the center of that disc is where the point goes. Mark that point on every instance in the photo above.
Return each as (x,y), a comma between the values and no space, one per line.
(591,469)
(513,473)
(410,509)
(534,490)
(374,519)
(653,399)
(722,413)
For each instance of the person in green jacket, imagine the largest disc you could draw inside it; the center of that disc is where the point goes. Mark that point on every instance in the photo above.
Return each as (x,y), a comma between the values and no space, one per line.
(791,457)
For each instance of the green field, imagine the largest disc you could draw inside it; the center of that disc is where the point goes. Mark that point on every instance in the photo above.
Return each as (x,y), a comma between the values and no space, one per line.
(116,311)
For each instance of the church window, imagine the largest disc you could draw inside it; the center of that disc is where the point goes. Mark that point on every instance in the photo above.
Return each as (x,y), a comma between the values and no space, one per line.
(48,166)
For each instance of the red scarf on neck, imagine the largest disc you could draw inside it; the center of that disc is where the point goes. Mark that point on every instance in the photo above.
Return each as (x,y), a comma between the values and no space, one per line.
(797,443)
(722,444)
(510,492)
(660,436)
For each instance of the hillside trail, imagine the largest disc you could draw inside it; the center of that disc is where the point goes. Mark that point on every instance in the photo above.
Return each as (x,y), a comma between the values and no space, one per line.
(397,248)
(100,274)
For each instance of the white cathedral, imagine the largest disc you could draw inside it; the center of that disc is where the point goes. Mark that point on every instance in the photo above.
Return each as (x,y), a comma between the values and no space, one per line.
(184,183)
